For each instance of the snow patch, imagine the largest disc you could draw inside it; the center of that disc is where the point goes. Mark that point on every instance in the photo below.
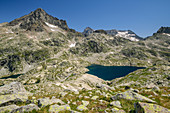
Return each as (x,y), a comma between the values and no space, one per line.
(166,34)
(50,25)
(72,45)
(126,35)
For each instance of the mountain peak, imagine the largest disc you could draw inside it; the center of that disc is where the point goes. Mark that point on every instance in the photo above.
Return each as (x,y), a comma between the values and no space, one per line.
(39,10)
(87,31)
(35,21)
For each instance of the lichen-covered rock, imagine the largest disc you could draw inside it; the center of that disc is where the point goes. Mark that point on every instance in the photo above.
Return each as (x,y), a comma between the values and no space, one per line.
(26,108)
(104,87)
(13,87)
(141,107)
(13,98)
(8,108)
(62,94)
(82,107)
(42,102)
(156,88)
(116,103)
(94,97)
(130,95)
(85,102)
(116,110)
(56,108)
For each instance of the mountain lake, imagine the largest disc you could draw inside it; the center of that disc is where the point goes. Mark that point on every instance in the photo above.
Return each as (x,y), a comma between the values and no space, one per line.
(111,72)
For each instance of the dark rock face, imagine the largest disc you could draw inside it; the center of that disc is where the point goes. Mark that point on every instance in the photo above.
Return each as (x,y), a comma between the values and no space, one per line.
(36,20)
(164,30)
(100,31)
(87,31)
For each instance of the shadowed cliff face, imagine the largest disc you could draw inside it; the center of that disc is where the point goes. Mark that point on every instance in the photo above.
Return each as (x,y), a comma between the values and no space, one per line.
(164,30)
(35,21)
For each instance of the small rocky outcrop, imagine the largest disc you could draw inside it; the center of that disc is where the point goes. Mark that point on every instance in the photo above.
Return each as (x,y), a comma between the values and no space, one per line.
(104,87)
(94,97)
(130,95)
(13,93)
(116,110)
(57,108)
(12,98)
(141,107)
(42,102)
(83,106)
(26,108)
(12,88)
(8,108)
(116,104)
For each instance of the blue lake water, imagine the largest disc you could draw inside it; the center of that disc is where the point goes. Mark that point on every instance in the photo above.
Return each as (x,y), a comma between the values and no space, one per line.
(111,72)
(12,76)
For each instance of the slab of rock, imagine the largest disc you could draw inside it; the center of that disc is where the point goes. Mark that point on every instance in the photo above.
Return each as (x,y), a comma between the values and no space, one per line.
(85,102)
(82,107)
(130,95)
(116,103)
(12,98)
(72,111)
(94,97)
(13,87)
(56,108)
(104,87)
(8,109)
(27,108)
(62,94)
(116,110)
(141,107)
(42,102)
(156,88)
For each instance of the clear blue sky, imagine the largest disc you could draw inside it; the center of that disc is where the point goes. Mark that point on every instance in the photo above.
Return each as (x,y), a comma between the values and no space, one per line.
(144,17)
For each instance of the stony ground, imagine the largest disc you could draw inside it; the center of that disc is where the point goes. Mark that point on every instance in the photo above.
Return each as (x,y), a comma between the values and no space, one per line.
(100,99)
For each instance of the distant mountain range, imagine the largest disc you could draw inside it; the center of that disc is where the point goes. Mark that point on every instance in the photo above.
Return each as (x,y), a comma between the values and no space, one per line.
(128,34)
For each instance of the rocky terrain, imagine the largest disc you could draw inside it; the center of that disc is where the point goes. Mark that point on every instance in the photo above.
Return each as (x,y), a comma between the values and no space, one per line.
(43,68)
